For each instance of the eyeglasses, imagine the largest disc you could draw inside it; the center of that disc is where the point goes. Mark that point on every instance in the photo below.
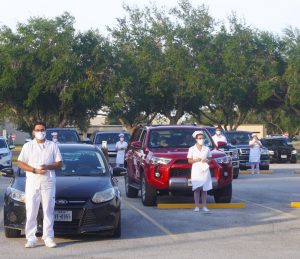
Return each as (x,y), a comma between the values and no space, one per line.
(39,130)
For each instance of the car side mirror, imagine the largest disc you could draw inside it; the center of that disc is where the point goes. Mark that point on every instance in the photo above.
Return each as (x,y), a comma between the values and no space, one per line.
(221,144)
(136,144)
(119,171)
(7,172)
(12,147)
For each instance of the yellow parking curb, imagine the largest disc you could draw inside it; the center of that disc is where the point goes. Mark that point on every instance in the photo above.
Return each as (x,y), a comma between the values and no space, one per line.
(260,172)
(209,206)
(295,204)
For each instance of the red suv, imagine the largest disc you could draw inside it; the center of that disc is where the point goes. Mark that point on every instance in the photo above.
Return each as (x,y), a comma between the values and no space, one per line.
(156,162)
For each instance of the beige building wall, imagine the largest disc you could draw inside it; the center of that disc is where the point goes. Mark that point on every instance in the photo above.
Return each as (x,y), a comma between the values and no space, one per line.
(257,128)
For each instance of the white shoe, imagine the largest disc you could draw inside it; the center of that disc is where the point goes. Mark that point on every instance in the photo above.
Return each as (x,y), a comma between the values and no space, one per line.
(30,244)
(50,243)
(196,209)
(205,210)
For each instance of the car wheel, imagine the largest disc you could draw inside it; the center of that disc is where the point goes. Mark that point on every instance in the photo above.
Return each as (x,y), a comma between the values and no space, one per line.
(117,231)
(148,194)
(130,191)
(223,195)
(236,172)
(10,232)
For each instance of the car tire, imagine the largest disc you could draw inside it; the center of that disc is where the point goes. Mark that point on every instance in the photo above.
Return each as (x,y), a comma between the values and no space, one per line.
(148,194)
(223,195)
(10,232)
(129,190)
(236,172)
(117,232)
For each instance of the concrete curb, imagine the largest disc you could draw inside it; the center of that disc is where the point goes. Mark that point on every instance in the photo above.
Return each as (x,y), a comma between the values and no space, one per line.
(260,172)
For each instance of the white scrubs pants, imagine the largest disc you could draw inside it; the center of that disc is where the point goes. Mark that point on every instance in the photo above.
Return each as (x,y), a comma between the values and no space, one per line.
(35,193)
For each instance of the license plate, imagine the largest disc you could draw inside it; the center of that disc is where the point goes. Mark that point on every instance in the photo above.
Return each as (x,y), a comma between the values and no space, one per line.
(283,156)
(189,182)
(62,215)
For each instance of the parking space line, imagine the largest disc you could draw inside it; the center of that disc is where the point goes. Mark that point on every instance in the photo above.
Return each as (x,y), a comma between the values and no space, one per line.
(267,207)
(209,205)
(295,204)
(152,220)
(261,172)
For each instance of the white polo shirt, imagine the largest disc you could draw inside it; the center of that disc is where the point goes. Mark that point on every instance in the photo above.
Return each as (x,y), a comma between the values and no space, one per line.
(36,155)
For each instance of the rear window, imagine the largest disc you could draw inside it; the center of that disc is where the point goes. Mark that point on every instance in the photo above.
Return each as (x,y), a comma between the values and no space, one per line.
(64,136)
(238,137)
(111,138)
(175,138)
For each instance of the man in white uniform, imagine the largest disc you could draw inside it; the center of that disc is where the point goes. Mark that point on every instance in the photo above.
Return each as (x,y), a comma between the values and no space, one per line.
(121,146)
(39,158)
(218,137)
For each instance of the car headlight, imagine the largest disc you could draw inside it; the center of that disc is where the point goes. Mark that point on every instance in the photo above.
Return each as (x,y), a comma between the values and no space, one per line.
(4,154)
(160,160)
(264,151)
(271,152)
(104,196)
(223,160)
(294,152)
(16,195)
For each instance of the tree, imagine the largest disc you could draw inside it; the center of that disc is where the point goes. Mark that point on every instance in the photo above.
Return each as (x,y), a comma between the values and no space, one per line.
(50,73)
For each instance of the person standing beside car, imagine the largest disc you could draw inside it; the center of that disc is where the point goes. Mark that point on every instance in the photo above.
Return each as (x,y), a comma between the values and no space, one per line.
(218,137)
(199,156)
(39,158)
(254,157)
(121,146)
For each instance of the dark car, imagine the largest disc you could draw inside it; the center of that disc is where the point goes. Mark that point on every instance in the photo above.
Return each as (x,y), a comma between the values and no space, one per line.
(156,162)
(240,139)
(87,199)
(111,138)
(230,150)
(280,149)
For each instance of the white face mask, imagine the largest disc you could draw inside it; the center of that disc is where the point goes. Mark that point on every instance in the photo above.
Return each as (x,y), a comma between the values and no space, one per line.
(40,135)
(121,139)
(218,132)
(200,141)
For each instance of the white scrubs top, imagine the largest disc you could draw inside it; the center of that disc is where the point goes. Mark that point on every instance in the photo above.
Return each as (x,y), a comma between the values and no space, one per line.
(217,138)
(36,155)
(200,175)
(254,156)
(121,153)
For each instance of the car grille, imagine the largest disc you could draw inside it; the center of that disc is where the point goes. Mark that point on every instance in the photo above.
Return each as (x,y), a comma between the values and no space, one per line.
(89,218)
(186,172)
(69,227)
(244,151)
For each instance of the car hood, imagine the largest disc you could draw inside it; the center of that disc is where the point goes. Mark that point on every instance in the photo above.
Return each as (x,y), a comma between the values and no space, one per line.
(4,150)
(179,153)
(73,187)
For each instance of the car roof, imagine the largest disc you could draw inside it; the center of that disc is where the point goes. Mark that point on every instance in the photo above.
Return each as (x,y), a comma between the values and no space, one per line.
(112,131)
(238,131)
(61,129)
(175,127)
(78,146)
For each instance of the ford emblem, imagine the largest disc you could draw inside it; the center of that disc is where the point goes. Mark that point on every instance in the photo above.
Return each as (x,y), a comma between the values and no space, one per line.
(61,202)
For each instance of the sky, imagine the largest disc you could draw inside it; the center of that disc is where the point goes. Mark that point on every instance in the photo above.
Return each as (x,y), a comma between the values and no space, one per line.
(269,15)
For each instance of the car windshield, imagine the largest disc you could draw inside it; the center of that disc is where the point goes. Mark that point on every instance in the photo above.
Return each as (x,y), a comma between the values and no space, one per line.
(164,138)
(277,142)
(111,138)
(78,162)
(3,143)
(237,138)
(63,136)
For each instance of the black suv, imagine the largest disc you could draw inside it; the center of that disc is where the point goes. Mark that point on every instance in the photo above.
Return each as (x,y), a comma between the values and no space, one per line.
(280,149)
(64,135)
(240,139)
(230,150)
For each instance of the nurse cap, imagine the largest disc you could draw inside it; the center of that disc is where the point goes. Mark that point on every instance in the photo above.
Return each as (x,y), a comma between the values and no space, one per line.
(197,132)
(121,135)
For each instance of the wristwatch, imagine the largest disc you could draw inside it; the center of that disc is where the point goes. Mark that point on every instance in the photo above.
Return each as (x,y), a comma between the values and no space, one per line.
(33,171)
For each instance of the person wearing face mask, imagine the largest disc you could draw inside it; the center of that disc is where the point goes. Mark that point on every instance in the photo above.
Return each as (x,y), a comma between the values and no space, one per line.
(54,137)
(39,158)
(121,146)
(254,156)
(200,156)
(218,137)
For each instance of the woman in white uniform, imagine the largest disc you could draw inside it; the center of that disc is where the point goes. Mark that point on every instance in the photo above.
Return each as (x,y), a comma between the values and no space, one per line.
(254,157)
(199,156)
(121,146)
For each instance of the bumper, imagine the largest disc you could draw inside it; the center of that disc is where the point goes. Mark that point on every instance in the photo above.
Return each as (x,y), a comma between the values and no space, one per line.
(184,184)
(85,218)
(283,158)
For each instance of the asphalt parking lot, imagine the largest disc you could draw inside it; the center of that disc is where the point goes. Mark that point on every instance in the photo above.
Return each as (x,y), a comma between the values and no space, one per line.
(267,228)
